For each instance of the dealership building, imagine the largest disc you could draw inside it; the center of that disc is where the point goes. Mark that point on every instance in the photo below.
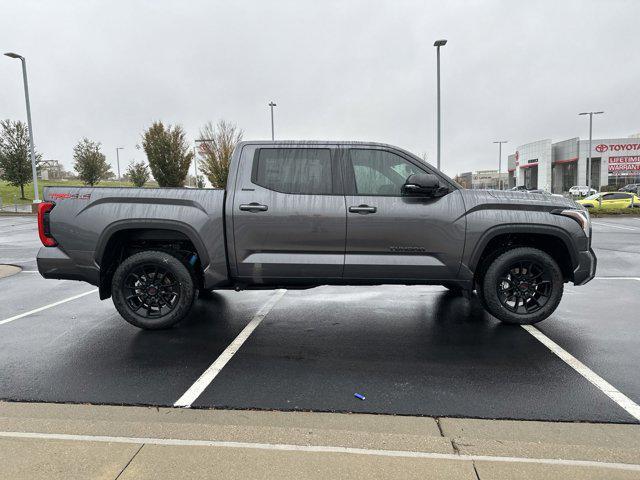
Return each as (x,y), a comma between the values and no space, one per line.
(558,166)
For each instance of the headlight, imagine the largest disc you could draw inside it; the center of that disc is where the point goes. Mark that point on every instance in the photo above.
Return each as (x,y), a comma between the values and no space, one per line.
(581,216)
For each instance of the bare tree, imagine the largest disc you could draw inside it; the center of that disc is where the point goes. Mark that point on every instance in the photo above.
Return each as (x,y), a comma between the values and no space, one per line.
(216,150)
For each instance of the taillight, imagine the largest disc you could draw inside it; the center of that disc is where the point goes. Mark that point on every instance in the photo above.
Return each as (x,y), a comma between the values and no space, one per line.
(43,224)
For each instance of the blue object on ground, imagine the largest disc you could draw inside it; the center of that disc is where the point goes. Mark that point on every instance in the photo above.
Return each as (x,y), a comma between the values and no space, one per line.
(359,396)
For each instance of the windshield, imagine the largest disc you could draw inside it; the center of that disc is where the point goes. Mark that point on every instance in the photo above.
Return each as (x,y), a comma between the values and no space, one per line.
(593,197)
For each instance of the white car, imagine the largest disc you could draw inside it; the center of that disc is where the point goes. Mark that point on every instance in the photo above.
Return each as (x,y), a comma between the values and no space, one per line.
(581,190)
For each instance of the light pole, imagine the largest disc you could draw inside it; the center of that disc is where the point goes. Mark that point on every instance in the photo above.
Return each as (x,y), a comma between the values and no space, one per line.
(118,159)
(438,44)
(36,196)
(271,104)
(500,142)
(591,114)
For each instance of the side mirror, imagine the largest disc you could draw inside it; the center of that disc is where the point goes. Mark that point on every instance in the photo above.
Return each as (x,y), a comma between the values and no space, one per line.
(423,185)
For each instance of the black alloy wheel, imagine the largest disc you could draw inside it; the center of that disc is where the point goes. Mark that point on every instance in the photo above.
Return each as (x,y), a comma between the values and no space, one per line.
(151,291)
(524,287)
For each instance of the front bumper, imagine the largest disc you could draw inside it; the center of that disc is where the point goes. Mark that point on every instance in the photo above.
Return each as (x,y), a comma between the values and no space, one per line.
(586,269)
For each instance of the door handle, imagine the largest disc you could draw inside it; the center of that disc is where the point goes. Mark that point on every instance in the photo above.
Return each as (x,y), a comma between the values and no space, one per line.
(364,209)
(253,207)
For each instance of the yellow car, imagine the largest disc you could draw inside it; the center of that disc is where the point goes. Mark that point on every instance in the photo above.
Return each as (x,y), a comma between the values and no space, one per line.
(613,200)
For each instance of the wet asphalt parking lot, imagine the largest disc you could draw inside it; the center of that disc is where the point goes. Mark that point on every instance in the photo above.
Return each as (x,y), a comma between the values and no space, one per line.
(409,350)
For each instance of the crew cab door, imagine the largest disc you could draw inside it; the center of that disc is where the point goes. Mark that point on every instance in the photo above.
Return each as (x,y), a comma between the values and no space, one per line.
(616,200)
(395,237)
(289,215)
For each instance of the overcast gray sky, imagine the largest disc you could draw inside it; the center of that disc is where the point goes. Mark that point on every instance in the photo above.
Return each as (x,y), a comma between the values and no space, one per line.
(344,70)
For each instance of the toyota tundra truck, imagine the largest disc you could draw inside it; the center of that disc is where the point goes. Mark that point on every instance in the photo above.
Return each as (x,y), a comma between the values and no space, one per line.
(304,214)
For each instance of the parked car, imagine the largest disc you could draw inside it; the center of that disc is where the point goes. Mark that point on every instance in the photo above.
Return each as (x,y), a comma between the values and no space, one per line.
(518,188)
(303,214)
(611,200)
(632,187)
(581,190)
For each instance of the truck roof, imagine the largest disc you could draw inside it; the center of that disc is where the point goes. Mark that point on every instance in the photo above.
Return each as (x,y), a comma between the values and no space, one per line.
(302,143)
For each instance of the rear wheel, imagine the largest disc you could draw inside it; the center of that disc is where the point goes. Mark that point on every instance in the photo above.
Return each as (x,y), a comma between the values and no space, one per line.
(522,286)
(152,290)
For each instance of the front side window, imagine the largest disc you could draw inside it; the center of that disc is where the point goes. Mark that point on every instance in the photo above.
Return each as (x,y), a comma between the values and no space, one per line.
(378,172)
(294,170)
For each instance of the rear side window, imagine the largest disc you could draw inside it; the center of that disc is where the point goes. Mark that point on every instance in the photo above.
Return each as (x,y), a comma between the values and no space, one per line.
(294,170)
(619,196)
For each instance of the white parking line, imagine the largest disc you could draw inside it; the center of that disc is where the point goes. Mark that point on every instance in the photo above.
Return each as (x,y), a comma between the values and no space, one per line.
(617,278)
(283,447)
(614,226)
(600,383)
(210,373)
(40,309)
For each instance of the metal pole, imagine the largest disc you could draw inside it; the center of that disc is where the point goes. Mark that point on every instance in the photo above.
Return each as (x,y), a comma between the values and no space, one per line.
(499,165)
(589,157)
(500,142)
(195,167)
(36,196)
(438,100)
(271,104)
(591,114)
(118,160)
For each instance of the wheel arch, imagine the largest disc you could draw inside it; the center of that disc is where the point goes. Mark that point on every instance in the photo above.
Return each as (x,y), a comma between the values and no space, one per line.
(107,249)
(548,238)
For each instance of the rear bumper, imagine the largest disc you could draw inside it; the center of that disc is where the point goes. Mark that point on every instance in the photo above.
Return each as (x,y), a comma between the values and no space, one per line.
(586,269)
(54,263)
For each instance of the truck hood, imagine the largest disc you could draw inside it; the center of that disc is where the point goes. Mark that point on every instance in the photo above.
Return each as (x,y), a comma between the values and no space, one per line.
(513,200)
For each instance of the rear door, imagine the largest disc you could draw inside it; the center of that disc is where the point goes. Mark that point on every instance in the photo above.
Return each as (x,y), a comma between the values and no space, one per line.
(289,218)
(391,237)
(615,200)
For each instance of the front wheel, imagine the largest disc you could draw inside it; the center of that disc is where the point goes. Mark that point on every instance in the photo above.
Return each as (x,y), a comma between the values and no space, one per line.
(152,290)
(522,286)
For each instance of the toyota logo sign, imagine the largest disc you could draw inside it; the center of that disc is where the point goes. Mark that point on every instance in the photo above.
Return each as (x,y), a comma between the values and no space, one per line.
(602,148)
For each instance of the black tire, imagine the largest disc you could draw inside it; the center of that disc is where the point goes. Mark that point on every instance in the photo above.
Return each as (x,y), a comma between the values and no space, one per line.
(158,284)
(522,286)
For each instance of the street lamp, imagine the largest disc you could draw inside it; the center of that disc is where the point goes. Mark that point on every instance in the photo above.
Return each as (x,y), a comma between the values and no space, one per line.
(36,197)
(271,104)
(500,142)
(438,44)
(591,114)
(118,159)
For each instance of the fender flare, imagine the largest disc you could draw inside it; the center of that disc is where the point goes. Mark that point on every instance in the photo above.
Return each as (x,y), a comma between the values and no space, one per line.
(122,225)
(497,230)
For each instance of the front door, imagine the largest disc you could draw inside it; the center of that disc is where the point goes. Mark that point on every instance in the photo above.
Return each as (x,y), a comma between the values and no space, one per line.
(393,237)
(289,215)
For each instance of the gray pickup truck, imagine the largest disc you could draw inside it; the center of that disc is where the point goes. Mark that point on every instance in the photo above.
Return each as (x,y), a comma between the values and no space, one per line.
(303,214)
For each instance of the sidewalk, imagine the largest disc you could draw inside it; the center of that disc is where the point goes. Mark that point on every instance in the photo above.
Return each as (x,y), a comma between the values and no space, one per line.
(106,442)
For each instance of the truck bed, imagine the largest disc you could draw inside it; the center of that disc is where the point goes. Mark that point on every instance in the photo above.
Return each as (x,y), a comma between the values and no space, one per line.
(84,218)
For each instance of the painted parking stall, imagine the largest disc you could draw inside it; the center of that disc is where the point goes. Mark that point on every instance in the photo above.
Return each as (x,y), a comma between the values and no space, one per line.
(407,350)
